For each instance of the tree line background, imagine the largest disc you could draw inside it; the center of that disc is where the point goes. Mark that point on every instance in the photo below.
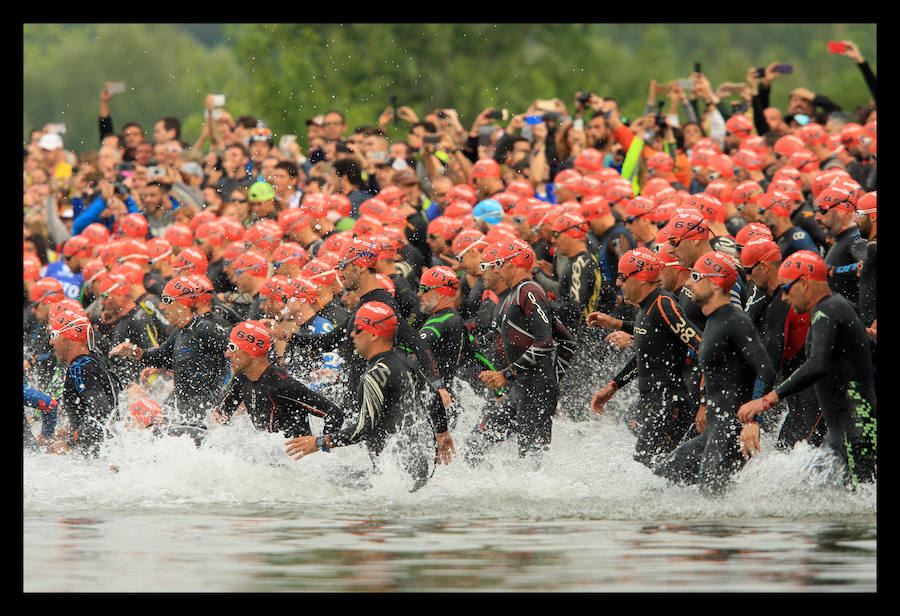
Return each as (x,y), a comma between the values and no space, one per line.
(286,73)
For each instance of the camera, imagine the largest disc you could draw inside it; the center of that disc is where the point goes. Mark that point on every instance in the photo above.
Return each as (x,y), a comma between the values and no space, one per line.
(121,189)
(583,98)
(498,114)
(435,139)
(441,114)
(551,116)
(124,166)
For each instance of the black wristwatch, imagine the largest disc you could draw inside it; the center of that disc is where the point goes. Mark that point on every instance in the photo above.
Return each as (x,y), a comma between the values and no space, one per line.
(321,443)
(508,374)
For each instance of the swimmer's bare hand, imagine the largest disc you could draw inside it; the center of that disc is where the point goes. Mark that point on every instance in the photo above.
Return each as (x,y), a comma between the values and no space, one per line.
(700,419)
(750,439)
(620,340)
(601,319)
(601,398)
(445,448)
(300,446)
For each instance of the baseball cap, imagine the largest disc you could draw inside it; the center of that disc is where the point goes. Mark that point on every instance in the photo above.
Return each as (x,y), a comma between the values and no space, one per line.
(50,142)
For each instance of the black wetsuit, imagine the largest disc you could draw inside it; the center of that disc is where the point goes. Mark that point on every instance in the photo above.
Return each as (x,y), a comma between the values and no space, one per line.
(525,345)
(794,239)
(149,303)
(90,397)
(783,333)
(221,283)
(665,346)
(388,402)
(406,337)
(736,369)
(277,402)
(867,303)
(154,283)
(137,327)
(196,356)
(407,299)
(608,248)
(411,264)
(470,295)
(804,217)
(581,288)
(848,249)
(839,366)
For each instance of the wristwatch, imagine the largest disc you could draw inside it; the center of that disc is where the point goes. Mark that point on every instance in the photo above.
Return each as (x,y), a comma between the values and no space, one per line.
(321,443)
(508,374)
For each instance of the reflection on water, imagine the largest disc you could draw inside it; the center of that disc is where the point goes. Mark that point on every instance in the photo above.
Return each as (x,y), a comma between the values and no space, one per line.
(185,553)
(238,515)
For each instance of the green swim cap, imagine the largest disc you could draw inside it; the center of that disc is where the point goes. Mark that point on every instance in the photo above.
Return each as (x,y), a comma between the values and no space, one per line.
(260,191)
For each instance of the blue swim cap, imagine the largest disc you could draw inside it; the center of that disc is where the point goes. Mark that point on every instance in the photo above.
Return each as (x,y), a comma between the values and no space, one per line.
(488,210)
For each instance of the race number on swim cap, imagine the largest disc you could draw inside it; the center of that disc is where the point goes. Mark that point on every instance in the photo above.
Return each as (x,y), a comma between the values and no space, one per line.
(251,337)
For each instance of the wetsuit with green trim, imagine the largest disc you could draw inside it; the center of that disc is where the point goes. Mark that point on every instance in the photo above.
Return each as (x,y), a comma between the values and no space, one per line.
(277,402)
(665,347)
(195,354)
(90,398)
(839,367)
(736,369)
(388,407)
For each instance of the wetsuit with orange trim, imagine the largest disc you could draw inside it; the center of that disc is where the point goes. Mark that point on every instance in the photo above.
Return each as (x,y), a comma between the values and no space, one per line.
(665,346)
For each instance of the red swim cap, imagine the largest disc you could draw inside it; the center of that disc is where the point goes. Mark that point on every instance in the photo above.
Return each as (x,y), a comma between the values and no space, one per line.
(251,337)
(758,251)
(376,318)
(440,278)
(190,261)
(640,264)
(146,412)
(803,263)
(722,269)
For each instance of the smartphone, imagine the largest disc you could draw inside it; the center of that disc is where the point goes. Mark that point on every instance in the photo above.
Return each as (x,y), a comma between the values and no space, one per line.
(697,67)
(116,87)
(578,124)
(59,129)
(286,140)
(218,100)
(498,114)
(784,68)
(217,113)
(761,72)
(837,47)
(534,119)
(686,84)
(545,105)
(155,171)
(432,139)
(394,109)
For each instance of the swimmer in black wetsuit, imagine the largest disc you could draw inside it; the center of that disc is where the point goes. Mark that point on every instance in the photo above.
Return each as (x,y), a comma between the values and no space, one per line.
(664,342)
(273,399)
(735,367)
(195,353)
(357,271)
(837,215)
(838,366)
(525,343)
(90,393)
(783,332)
(387,402)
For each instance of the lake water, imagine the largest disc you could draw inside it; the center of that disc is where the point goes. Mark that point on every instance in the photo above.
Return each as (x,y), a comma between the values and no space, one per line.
(238,515)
